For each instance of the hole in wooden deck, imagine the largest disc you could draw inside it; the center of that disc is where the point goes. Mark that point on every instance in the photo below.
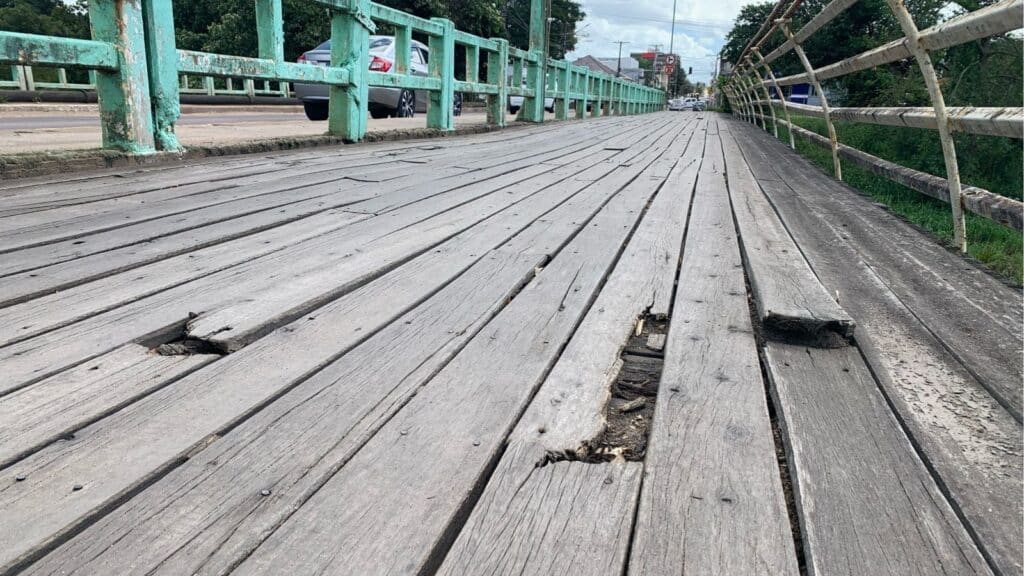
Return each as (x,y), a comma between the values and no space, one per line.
(630,409)
(177,342)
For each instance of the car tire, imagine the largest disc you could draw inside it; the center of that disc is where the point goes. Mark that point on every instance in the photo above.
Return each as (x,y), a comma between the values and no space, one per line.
(406,105)
(457,105)
(316,111)
(513,109)
(378,113)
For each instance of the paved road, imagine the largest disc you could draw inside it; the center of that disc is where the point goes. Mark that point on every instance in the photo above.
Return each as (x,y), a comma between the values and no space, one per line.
(22,132)
(76,120)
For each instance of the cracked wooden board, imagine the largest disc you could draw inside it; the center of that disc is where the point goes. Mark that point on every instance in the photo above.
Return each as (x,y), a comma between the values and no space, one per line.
(165,311)
(428,472)
(712,501)
(789,297)
(972,442)
(867,504)
(225,391)
(530,516)
(976,316)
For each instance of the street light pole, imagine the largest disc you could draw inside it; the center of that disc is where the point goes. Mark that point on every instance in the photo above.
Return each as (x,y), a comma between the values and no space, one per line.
(671,48)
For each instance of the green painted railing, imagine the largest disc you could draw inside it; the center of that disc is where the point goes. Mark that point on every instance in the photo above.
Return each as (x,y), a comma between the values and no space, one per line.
(137,69)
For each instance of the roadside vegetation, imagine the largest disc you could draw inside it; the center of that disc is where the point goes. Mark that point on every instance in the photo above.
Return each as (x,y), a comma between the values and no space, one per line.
(983,73)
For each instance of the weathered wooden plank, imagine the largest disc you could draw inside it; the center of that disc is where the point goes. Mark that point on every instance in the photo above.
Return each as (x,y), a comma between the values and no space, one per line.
(417,477)
(234,325)
(56,407)
(712,501)
(789,297)
(48,353)
(529,518)
(970,440)
(45,227)
(867,504)
(174,421)
(132,235)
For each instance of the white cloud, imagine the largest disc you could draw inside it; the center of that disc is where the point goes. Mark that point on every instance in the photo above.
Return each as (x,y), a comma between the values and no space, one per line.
(700,29)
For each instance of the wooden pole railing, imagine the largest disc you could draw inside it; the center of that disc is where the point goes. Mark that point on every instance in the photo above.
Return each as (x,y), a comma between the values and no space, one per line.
(748,88)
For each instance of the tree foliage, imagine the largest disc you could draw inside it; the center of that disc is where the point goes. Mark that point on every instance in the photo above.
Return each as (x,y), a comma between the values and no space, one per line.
(48,17)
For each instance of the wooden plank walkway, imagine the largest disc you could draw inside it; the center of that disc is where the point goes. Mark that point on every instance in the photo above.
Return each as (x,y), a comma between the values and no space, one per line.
(601,347)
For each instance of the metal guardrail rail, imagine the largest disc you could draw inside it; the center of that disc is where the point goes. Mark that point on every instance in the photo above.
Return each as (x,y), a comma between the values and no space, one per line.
(24,78)
(137,69)
(749,96)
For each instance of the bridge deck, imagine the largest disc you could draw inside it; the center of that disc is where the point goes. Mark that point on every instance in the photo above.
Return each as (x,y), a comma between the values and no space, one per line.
(663,343)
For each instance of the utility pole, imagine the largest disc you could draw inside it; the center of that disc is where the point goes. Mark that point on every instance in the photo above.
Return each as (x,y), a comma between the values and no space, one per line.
(618,62)
(671,47)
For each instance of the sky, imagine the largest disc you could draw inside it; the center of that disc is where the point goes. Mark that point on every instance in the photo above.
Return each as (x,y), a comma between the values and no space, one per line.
(701,26)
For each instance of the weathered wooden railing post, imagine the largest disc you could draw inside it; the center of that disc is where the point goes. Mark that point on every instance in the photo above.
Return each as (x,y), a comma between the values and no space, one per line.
(764,92)
(833,138)
(442,66)
(123,94)
(162,55)
(403,49)
(533,104)
(778,91)
(496,63)
(350,37)
(586,94)
(924,62)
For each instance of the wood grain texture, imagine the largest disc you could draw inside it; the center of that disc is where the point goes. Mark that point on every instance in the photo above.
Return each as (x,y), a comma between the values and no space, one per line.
(971,441)
(867,504)
(43,413)
(788,295)
(208,514)
(531,519)
(179,419)
(712,500)
(976,316)
(390,508)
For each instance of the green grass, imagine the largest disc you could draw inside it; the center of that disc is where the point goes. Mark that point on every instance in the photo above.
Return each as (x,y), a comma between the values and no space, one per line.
(988,162)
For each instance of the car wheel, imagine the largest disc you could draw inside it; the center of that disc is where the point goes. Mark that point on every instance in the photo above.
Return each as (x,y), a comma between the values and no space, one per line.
(457,105)
(378,113)
(316,111)
(513,109)
(406,105)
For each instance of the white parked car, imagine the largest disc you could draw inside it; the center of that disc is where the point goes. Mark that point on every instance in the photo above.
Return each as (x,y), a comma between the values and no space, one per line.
(675,105)
(516,102)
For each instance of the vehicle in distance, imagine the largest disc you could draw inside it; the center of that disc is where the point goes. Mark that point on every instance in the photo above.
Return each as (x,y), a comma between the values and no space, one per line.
(675,105)
(383,101)
(516,102)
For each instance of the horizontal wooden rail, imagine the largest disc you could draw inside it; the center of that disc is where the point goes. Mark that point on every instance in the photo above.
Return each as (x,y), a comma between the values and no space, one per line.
(1008,121)
(1000,209)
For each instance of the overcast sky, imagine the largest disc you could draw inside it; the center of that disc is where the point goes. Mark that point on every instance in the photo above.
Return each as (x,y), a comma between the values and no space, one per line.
(701,26)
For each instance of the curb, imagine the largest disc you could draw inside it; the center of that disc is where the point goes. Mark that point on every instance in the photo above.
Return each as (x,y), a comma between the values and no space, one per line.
(35,164)
(185,108)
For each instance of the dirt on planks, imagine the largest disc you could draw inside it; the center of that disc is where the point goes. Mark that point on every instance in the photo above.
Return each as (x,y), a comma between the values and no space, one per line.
(631,407)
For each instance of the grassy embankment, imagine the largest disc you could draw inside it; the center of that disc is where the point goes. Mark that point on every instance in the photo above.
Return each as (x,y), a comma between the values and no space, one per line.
(995,164)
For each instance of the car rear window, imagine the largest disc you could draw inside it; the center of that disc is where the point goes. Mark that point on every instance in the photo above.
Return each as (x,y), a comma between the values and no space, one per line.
(377,44)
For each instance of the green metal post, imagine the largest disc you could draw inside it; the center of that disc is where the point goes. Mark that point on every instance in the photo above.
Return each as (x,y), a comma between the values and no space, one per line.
(533,106)
(562,108)
(517,73)
(403,49)
(472,64)
(350,38)
(162,56)
(442,66)
(123,94)
(581,105)
(496,62)
(270,30)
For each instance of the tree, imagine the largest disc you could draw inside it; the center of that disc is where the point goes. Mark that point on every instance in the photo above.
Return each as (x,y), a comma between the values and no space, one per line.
(47,17)
(565,15)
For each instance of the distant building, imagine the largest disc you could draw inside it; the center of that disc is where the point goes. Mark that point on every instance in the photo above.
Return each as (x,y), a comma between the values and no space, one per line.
(628,68)
(594,64)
